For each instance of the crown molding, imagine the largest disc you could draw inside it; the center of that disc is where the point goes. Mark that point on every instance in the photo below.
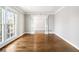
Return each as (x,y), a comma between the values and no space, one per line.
(17,9)
(59,9)
(44,13)
(41,13)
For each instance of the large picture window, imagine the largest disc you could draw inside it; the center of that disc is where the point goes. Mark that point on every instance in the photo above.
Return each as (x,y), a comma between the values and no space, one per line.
(7,24)
(10,24)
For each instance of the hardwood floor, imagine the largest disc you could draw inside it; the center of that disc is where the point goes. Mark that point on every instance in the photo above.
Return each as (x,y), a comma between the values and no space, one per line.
(39,43)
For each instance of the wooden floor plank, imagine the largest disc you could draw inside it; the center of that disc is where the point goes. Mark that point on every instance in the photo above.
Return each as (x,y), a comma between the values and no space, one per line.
(39,43)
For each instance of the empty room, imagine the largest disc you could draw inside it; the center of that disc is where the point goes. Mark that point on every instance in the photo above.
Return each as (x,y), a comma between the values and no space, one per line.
(39,28)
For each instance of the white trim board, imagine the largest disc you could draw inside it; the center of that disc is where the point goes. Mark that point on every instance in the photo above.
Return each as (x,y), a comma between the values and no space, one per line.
(67,41)
(34,32)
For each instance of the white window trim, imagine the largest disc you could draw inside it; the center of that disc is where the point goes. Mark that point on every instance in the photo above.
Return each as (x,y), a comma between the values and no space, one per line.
(3,43)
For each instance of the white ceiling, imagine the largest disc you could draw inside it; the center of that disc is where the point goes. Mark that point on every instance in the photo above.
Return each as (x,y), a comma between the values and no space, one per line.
(40,9)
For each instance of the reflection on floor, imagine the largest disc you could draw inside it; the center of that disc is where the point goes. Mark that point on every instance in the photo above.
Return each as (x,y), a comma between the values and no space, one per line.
(39,43)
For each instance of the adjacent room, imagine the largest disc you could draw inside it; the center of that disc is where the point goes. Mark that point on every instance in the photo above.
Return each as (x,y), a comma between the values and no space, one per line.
(39,28)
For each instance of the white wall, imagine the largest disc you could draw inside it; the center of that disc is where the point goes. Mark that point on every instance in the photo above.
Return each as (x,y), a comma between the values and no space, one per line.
(51,23)
(67,24)
(27,23)
(20,24)
(42,23)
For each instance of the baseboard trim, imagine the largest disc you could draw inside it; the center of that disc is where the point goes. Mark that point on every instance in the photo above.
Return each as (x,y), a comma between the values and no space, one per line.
(28,33)
(67,41)
(34,33)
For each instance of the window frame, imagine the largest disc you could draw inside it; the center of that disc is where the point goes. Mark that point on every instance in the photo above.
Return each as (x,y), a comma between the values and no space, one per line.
(4,9)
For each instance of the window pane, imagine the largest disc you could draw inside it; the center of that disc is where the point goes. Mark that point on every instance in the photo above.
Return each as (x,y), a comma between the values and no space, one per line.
(10,24)
(0,25)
